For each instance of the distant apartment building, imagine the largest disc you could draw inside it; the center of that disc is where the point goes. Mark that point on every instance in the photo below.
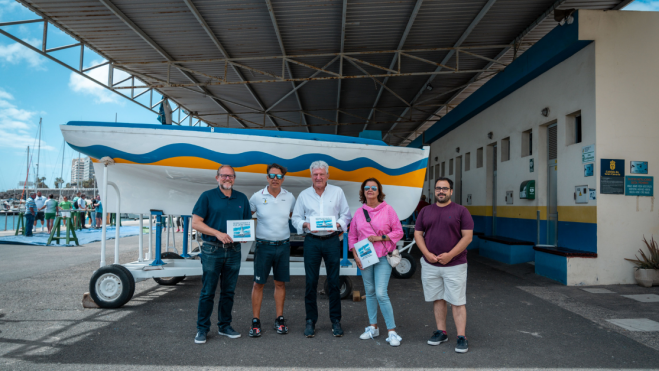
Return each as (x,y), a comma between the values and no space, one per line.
(81,170)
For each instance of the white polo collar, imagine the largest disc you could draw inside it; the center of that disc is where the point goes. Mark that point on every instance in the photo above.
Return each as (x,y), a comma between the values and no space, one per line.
(265,191)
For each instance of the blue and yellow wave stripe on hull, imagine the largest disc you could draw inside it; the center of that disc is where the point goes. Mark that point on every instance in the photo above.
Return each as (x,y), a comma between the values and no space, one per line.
(355,170)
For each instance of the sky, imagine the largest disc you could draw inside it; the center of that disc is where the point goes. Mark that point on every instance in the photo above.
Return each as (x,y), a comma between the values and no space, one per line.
(33,88)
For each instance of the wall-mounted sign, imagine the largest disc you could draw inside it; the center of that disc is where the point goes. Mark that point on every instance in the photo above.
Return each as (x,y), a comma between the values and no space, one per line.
(588,169)
(593,193)
(527,190)
(638,167)
(612,185)
(588,154)
(531,165)
(609,167)
(581,194)
(639,186)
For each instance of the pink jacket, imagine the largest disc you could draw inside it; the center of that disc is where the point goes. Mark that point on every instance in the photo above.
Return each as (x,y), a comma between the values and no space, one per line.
(385,221)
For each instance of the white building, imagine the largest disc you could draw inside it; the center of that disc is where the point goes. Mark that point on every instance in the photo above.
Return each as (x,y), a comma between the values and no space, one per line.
(81,170)
(570,114)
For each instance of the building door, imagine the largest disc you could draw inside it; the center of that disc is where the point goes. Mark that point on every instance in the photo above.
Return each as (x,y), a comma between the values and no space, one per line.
(458,180)
(494,190)
(552,186)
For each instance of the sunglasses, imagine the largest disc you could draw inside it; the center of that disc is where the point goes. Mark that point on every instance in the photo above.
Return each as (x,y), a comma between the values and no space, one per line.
(272,176)
(372,188)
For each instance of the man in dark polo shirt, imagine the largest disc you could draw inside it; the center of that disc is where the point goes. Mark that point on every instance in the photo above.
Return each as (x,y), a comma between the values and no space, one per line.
(443,231)
(220,256)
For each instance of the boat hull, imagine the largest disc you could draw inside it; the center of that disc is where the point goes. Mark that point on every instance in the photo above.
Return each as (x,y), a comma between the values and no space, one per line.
(159,168)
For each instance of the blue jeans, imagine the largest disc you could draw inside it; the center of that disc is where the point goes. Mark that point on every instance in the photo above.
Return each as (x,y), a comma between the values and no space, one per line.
(29,223)
(328,250)
(216,263)
(376,279)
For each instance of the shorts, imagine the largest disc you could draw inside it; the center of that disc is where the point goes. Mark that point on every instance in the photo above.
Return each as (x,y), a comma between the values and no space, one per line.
(444,283)
(268,257)
(99,215)
(50,216)
(66,214)
(39,216)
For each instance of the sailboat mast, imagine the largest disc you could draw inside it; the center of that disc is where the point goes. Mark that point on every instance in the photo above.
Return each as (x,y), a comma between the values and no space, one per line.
(36,184)
(61,172)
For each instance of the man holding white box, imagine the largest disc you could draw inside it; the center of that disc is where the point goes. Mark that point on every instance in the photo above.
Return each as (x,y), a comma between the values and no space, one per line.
(321,200)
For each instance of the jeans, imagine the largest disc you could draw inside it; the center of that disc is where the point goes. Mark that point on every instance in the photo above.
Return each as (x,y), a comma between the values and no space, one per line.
(92,218)
(29,223)
(316,250)
(217,264)
(376,279)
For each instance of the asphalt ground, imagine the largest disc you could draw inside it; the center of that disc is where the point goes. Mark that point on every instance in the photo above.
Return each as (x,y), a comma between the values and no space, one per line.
(516,319)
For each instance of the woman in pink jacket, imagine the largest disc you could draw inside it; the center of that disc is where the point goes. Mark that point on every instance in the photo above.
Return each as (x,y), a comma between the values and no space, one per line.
(383,230)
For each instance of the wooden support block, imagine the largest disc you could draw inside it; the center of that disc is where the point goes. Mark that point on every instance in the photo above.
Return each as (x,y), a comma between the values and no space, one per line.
(356,296)
(88,302)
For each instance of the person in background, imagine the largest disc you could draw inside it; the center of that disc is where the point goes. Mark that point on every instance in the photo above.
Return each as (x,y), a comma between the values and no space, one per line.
(30,213)
(50,211)
(92,212)
(82,209)
(74,203)
(422,203)
(65,207)
(40,201)
(99,212)
(443,231)
(321,199)
(220,256)
(383,231)
(409,232)
(272,206)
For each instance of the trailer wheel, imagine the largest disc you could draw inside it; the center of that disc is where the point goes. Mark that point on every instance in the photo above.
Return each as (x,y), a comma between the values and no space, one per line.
(406,267)
(169,281)
(345,287)
(112,286)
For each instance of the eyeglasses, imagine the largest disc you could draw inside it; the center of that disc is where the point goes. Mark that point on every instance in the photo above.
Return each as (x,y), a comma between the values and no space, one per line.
(372,188)
(443,189)
(272,176)
(227,176)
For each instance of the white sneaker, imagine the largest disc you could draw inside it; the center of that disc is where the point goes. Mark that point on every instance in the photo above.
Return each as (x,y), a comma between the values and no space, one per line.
(394,339)
(369,333)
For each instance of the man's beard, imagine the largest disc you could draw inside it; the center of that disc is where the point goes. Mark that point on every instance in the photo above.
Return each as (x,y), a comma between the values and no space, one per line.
(446,199)
(226,187)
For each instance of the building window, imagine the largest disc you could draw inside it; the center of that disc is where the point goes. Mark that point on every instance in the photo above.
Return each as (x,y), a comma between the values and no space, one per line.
(577,129)
(450,167)
(527,143)
(573,128)
(505,149)
(430,174)
(467,161)
(479,158)
(443,169)
(436,171)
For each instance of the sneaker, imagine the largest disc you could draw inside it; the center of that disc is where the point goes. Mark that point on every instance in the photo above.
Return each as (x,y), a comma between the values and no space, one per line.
(463,345)
(369,333)
(280,325)
(255,330)
(230,332)
(201,337)
(310,330)
(336,329)
(438,337)
(394,339)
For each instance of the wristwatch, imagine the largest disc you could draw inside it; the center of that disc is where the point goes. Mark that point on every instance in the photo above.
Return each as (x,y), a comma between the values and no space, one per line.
(384,237)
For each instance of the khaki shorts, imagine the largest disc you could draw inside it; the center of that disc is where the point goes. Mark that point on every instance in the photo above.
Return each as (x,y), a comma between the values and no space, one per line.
(444,283)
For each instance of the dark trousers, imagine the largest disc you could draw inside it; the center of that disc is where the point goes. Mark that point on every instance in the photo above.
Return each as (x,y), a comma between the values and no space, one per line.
(217,263)
(316,250)
(29,223)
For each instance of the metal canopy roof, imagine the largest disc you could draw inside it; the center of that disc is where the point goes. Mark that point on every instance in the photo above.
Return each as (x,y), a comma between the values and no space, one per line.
(321,66)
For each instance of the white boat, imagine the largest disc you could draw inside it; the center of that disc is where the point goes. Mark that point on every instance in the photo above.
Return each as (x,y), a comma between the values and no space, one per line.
(167,167)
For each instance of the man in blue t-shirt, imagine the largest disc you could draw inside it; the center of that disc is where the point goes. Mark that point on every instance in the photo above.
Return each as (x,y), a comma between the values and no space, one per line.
(30,214)
(220,256)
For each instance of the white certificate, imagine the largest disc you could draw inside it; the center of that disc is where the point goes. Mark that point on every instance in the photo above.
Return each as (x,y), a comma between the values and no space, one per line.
(323,223)
(241,230)
(366,253)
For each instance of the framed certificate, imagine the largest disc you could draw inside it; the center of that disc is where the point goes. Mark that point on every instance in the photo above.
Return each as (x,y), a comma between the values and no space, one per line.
(323,223)
(241,230)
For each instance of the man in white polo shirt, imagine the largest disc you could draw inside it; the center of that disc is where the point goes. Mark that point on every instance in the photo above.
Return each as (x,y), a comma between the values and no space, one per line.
(273,207)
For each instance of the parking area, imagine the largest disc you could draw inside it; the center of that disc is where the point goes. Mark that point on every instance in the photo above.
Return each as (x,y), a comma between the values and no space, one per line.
(516,319)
